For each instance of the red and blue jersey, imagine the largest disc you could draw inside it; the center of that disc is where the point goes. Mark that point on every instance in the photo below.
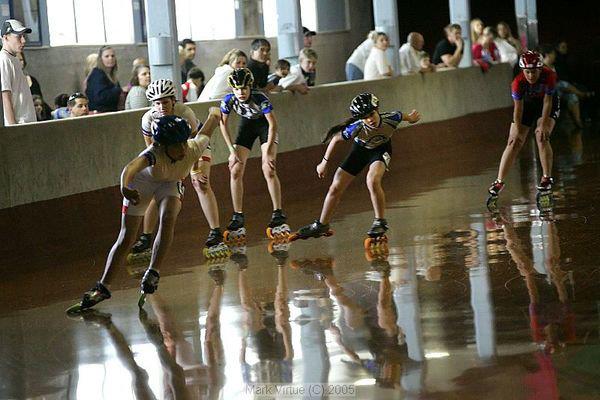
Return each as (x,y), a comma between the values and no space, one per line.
(545,85)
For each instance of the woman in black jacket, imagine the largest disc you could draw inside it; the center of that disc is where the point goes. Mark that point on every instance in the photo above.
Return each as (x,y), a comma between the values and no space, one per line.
(103,89)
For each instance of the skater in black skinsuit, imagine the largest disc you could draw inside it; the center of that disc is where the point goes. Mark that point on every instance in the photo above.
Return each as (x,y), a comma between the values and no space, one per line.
(371,133)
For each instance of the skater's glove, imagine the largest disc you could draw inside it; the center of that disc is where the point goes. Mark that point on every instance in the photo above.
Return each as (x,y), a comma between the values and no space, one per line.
(131,195)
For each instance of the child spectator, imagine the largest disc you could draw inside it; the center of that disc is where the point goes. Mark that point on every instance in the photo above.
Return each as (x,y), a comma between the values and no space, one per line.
(194,85)
(217,86)
(260,55)
(103,89)
(33,83)
(78,105)
(282,69)
(42,110)
(90,63)
(140,79)
(355,66)
(411,55)
(302,75)
(449,51)
(425,63)
(60,106)
(484,51)
(377,65)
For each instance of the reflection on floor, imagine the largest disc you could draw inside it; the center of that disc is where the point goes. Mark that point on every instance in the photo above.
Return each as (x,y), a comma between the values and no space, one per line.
(461,304)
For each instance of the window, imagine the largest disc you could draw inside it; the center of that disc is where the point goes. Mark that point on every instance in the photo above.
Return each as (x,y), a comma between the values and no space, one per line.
(28,11)
(205,20)
(308,14)
(90,22)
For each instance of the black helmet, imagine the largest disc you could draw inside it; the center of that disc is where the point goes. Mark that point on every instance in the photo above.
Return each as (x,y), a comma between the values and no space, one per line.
(170,129)
(363,105)
(240,78)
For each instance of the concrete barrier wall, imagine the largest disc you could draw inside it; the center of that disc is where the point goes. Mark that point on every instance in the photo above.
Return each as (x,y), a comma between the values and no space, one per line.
(47,160)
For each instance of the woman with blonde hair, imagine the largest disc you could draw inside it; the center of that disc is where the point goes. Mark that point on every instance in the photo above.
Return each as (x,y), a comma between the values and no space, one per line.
(217,86)
(476,30)
(355,66)
(103,88)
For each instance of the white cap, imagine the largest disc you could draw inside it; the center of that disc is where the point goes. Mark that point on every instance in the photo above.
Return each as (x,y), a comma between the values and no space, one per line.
(14,26)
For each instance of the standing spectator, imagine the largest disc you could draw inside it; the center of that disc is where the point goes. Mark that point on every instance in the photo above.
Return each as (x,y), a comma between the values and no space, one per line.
(449,51)
(78,105)
(309,37)
(33,83)
(508,46)
(260,55)
(562,61)
(103,89)
(42,110)
(194,85)
(301,75)
(484,51)
(355,66)
(16,96)
(377,65)
(189,53)
(411,55)
(282,69)
(140,79)
(476,30)
(217,86)
(60,106)
(90,63)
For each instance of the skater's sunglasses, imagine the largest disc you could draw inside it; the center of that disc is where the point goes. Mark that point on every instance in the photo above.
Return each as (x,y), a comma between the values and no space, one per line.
(76,95)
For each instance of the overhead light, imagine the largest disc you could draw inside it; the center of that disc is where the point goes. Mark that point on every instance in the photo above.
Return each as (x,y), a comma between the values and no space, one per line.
(436,354)
(365,382)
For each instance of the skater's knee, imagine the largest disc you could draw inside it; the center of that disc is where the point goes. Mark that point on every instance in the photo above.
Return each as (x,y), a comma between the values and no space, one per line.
(268,171)
(336,189)
(515,142)
(202,187)
(373,183)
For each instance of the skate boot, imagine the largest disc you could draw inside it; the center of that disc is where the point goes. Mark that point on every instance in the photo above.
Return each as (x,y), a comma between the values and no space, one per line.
(141,251)
(376,237)
(278,229)
(544,197)
(214,247)
(235,233)
(239,257)
(279,250)
(217,274)
(90,298)
(494,191)
(149,285)
(314,230)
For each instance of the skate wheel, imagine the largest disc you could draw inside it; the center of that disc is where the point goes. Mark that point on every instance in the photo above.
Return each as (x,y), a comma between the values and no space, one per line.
(142,301)
(368,243)
(492,203)
(226,236)
(270,233)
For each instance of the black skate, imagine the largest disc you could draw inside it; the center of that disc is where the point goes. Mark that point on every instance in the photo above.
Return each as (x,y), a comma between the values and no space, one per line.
(215,248)
(278,229)
(90,298)
(141,251)
(314,230)
(494,191)
(148,286)
(376,236)
(235,233)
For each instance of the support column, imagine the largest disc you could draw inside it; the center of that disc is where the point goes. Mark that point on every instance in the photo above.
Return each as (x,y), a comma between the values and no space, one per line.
(385,13)
(460,13)
(331,15)
(163,52)
(527,23)
(289,29)
(248,18)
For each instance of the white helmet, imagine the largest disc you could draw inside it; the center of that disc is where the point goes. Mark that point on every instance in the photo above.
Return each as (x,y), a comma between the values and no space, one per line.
(160,89)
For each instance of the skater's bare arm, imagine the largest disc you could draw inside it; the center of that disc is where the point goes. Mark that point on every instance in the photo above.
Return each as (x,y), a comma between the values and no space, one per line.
(223,124)
(412,117)
(544,127)
(9,112)
(322,167)
(212,121)
(272,128)
(517,112)
(129,172)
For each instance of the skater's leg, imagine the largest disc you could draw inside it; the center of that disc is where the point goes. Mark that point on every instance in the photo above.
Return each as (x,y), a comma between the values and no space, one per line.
(545,149)
(150,218)
(516,139)
(169,208)
(127,235)
(374,177)
(340,183)
(269,157)
(206,196)
(237,179)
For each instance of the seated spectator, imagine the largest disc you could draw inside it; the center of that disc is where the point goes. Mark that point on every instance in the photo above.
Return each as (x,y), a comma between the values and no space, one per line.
(449,51)
(33,83)
(139,61)
(508,46)
(194,85)
(260,55)
(309,37)
(140,79)
(282,69)
(476,30)
(78,105)
(60,106)
(217,87)
(301,75)
(485,52)
(411,54)
(103,89)
(42,110)
(189,53)
(377,65)
(355,65)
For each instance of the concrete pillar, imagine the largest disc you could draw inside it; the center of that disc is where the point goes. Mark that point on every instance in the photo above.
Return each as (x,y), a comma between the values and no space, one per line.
(163,52)
(460,13)
(527,23)
(289,29)
(385,13)
(331,15)
(248,18)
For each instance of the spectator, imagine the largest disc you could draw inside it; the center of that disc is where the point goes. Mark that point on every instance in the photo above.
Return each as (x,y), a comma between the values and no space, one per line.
(282,69)
(308,36)
(33,83)
(355,66)
(78,105)
(103,89)
(562,61)
(449,51)
(140,79)
(302,75)
(42,110)
(90,63)
(189,53)
(16,96)
(139,61)
(485,51)
(194,85)
(411,54)
(260,55)
(476,30)
(377,65)
(60,106)
(425,63)
(217,87)
(508,46)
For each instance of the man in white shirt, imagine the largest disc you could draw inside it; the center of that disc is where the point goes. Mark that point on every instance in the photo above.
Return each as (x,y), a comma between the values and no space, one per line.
(411,54)
(17,101)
